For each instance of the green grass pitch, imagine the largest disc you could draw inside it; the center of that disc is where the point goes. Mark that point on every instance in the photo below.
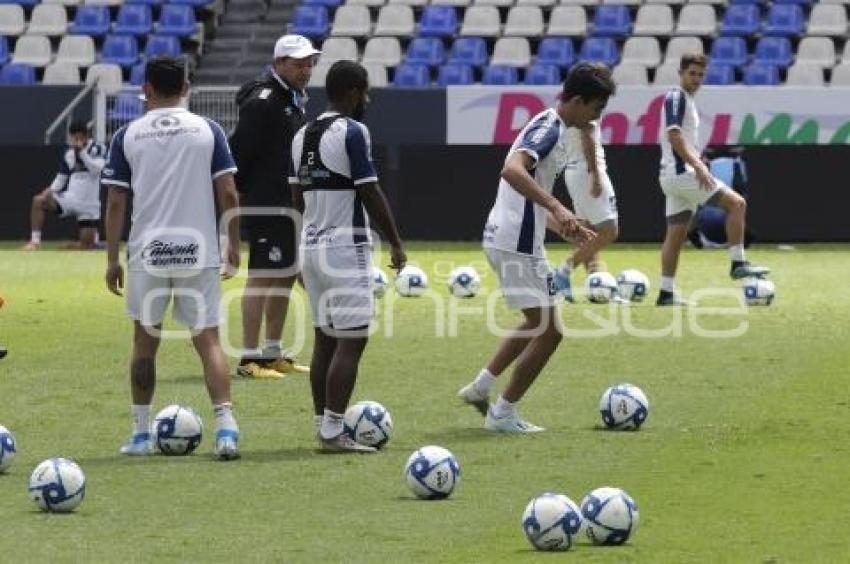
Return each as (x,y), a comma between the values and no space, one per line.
(744,457)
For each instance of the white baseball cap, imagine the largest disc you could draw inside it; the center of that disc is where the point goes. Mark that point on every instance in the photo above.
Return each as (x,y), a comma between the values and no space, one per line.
(295,46)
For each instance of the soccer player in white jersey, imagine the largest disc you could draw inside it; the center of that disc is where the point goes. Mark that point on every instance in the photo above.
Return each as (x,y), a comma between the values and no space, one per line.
(75,192)
(335,186)
(687,183)
(175,163)
(513,243)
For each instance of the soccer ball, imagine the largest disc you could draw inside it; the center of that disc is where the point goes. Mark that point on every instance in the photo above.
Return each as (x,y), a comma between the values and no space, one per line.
(610,515)
(411,281)
(177,430)
(601,287)
(633,285)
(379,282)
(624,407)
(432,472)
(464,282)
(369,423)
(759,292)
(57,485)
(7,449)
(552,522)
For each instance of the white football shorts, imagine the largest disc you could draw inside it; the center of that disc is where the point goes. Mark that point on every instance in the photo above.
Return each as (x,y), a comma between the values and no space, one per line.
(196,294)
(593,210)
(684,193)
(526,280)
(337,280)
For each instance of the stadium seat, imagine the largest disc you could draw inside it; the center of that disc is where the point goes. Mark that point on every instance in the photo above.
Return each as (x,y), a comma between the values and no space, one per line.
(630,74)
(162,45)
(425,51)
(556,51)
(195,3)
(542,75)
(339,49)
(524,21)
(48,19)
(570,21)
(327,3)
(729,51)
(320,73)
(667,75)
(755,2)
(91,20)
(602,49)
(469,51)
(4,50)
(671,2)
(107,3)
(310,21)
(800,2)
(126,107)
(828,19)
(147,2)
(654,20)
(411,3)
(385,51)
(774,51)
(642,50)
(180,21)
(741,19)
(455,3)
(580,2)
(33,50)
(697,19)
(512,52)
(785,19)
(718,74)
(17,74)
(137,74)
(496,3)
(538,3)
(395,20)
(455,74)
(377,75)
(841,75)
(757,74)
(66,3)
(108,77)
(612,21)
(367,3)
(681,45)
(23,3)
(133,19)
(76,49)
(816,51)
(624,2)
(845,54)
(500,75)
(803,74)
(411,76)
(12,20)
(61,73)
(352,21)
(481,21)
(438,21)
(122,50)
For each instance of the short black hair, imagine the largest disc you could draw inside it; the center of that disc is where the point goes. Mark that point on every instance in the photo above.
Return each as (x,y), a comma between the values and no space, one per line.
(589,81)
(689,59)
(166,75)
(343,77)
(78,127)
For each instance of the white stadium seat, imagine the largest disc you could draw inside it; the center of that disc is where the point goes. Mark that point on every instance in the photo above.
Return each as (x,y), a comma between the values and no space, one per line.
(802,74)
(63,2)
(697,19)
(48,19)
(33,50)
(667,74)
(416,3)
(12,22)
(580,2)
(666,2)
(630,74)
(841,75)
(339,48)
(377,74)
(457,3)
(568,20)
(481,21)
(681,45)
(524,21)
(76,49)
(511,51)
(369,3)
(816,51)
(395,19)
(497,3)
(61,73)
(654,20)
(539,3)
(384,51)
(642,50)
(108,77)
(828,19)
(352,21)
(320,72)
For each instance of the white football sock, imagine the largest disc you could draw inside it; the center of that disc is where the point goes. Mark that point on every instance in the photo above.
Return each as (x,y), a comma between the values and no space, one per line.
(736,252)
(272,347)
(224,416)
(668,283)
(252,353)
(35,236)
(141,418)
(484,381)
(503,408)
(331,424)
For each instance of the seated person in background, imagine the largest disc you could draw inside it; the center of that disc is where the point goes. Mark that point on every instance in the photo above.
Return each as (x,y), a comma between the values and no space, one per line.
(75,191)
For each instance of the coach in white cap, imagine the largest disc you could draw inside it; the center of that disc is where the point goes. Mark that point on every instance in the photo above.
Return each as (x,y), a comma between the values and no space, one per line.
(271,110)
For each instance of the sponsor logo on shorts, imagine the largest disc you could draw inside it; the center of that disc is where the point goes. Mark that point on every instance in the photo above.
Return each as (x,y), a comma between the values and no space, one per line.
(162,253)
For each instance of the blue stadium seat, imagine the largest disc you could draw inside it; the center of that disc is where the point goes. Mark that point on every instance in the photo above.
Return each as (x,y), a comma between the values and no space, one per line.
(133,19)
(542,75)
(601,49)
(176,20)
(162,45)
(91,20)
(412,76)
(17,74)
(23,3)
(121,50)
(470,51)
(438,21)
(774,51)
(612,20)
(761,75)
(311,21)
(193,3)
(741,19)
(426,51)
(4,50)
(746,1)
(801,2)
(328,3)
(718,74)
(146,2)
(729,51)
(455,74)
(556,51)
(500,75)
(127,107)
(785,19)
(137,74)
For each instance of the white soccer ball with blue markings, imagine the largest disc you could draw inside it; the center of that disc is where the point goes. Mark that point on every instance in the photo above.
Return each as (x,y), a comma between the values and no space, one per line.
(464,282)
(552,522)
(411,281)
(177,430)
(601,287)
(633,285)
(380,282)
(624,407)
(57,485)
(369,423)
(758,291)
(610,515)
(432,472)
(8,448)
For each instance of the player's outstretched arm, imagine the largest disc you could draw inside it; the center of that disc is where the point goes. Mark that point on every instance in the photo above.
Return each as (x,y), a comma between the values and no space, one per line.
(379,211)
(116,207)
(225,190)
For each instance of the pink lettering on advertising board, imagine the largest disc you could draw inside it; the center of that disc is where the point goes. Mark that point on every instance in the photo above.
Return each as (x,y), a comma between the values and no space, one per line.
(509,105)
